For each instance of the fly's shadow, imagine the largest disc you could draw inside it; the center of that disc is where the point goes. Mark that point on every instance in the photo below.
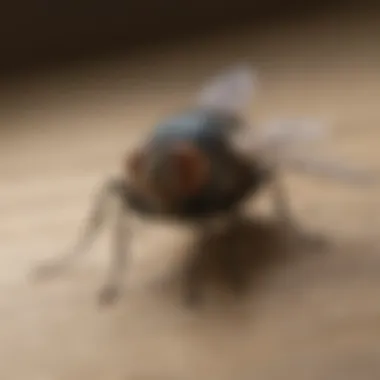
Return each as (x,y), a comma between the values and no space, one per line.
(237,257)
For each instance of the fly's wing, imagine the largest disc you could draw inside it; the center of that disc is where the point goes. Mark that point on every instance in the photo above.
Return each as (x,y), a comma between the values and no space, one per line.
(284,137)
(280,144)
(333,169)
(275,141)
(230,91)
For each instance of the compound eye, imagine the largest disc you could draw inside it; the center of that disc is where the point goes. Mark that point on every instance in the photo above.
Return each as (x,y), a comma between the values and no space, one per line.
(134,164)
(193,168)
(136,171)
(147,179)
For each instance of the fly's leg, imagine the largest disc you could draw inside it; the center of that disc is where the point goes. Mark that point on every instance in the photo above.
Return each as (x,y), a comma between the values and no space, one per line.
(283,210)
(282,203)
(194,275)
(83,243)
(231,258)
(193,281)
(111,289)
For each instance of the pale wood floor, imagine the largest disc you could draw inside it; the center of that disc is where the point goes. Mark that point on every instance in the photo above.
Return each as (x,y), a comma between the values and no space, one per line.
(316,318)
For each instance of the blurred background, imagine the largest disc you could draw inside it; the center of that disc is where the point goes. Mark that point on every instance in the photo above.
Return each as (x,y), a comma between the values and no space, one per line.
(80,83)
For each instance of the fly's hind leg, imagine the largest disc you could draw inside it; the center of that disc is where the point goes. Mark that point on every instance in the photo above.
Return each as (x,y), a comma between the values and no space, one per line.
(194,273)
(305,239)
(87,236)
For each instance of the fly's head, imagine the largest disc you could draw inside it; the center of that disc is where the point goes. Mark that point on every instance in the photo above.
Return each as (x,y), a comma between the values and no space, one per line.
(165,177)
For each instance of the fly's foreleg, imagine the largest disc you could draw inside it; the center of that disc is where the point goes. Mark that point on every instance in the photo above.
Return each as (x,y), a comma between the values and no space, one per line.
(87,236)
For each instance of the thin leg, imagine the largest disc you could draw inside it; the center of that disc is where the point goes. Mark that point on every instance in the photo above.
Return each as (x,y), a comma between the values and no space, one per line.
(87,237)
(282,202)
(233,264)
(292,227)
(112,287)
(192,281)
(194,274)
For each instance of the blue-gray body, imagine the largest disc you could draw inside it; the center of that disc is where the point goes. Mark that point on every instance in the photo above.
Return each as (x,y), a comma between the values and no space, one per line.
(207,129)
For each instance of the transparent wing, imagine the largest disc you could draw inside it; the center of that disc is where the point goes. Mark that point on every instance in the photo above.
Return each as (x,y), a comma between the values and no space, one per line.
(283,144)
(282,137)
(332,168)
(231,90)
(276,139)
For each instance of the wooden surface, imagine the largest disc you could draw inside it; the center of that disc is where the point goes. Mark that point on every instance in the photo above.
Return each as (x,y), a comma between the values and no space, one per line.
(316,317)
